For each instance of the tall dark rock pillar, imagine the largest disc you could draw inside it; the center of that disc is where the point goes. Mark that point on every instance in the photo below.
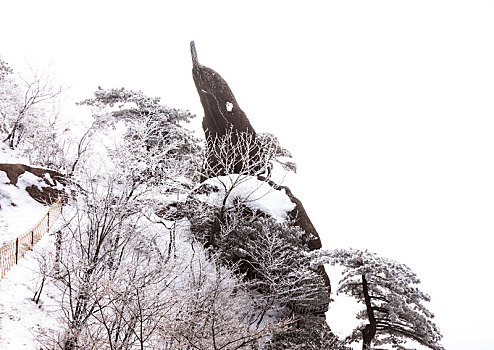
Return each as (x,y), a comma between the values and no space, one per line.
(223,117)
(221,110)
(221,114)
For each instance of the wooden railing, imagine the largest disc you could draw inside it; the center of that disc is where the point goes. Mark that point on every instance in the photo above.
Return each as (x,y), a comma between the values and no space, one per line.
(12,252)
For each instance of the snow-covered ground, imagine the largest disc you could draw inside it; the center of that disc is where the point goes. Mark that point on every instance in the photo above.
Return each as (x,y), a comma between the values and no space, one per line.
(9,156)
(19,212)
(21,319)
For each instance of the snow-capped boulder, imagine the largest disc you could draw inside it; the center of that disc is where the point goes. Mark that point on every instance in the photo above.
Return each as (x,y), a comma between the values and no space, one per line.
(234,190)
(43,185)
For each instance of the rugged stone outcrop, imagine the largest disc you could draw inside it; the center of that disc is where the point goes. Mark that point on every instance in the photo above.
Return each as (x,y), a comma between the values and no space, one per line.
(301,219)
(222,113)
(222,116)
(48,187)
(221,110)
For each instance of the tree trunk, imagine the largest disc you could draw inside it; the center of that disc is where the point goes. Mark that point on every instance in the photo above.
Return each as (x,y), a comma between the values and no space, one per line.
(369,332)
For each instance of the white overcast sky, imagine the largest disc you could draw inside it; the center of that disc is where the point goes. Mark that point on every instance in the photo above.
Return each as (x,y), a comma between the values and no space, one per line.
(387,106)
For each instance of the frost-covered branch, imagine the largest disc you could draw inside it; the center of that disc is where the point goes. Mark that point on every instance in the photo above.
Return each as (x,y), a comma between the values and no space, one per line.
(243,153)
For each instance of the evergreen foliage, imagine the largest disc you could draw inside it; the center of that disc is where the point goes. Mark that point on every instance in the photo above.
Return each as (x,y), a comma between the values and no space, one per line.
(4,69)
(394,310)
(311,334)
(156,148)
(274,256)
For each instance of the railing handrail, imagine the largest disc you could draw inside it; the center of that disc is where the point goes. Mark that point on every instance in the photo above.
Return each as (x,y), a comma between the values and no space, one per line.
(13,251)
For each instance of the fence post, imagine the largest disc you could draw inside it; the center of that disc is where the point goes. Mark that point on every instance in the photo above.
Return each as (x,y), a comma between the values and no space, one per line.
(16,250)
(58,248)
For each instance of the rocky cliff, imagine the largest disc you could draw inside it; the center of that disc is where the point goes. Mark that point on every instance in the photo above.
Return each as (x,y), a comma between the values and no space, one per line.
(223,114)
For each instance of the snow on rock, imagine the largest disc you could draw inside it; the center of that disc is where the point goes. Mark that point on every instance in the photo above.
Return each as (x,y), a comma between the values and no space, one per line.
(229,106)
(19,212)
(44,185)
(247,190)
(28,179)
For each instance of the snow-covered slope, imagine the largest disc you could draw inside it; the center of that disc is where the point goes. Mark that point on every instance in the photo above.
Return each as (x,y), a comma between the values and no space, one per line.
(18,210)
(20,318)
(22,321)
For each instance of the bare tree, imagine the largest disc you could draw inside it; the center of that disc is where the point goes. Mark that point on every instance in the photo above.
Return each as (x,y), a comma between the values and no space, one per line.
(34,93)
(45,264)
(119,292)
(216,312)
(243,153)
(97,237)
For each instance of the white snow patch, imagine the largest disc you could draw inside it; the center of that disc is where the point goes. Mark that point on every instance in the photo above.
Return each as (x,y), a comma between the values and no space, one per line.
(19,212)
(229,106)
(28,179)
(8,155)
(248,190)
(58,185)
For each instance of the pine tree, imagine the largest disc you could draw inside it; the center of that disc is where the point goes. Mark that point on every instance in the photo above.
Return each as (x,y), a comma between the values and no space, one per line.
(154,143)
(394,310)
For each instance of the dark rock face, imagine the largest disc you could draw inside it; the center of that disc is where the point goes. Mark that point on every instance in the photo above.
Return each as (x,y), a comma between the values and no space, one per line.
(48,192)
(221,113)
(301,219)
(221,110)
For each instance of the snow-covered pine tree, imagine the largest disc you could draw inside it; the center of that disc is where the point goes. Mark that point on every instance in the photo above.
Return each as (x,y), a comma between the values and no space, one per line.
(394,311)
(155,144)
(4,69)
